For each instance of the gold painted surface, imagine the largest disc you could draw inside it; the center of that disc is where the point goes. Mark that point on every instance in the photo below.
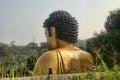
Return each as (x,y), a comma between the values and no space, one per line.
(74,59)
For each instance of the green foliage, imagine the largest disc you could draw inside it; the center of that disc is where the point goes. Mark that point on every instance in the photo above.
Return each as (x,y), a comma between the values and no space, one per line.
(19,61)
(107,43)
(23,59)
(113,74)
(113,21)
(100,45)
(105,47)
(112,26)
(30,65)
(32,45)
(86,76)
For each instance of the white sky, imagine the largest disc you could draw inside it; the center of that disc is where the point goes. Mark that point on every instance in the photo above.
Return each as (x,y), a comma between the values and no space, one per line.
(22,20)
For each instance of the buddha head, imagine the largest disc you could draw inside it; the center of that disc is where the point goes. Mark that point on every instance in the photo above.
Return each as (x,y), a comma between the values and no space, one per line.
(60,25)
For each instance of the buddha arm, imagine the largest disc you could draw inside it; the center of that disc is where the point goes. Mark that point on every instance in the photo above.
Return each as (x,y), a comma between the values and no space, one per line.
(46,61)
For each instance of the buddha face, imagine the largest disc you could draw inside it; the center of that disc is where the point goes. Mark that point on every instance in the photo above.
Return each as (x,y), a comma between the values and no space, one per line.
(51,40)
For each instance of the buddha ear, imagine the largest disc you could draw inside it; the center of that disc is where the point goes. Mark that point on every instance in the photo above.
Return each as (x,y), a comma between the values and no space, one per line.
(53,38)
(53,31)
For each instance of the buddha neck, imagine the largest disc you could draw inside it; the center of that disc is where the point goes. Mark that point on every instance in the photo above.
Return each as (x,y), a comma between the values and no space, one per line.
(61,44)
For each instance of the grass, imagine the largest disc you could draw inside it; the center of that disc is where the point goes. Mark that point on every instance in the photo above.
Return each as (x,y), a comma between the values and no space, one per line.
(99,76)
(102,73)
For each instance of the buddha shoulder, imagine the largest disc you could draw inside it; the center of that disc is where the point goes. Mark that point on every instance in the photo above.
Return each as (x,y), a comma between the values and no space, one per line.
(80,52)
(49,55)
(46,60)
(82,55)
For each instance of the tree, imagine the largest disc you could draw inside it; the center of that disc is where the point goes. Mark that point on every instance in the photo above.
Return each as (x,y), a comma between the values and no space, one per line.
(43,48)
(112,26)
(2,46)
(102,49)
(30,64)
(32,45)
(107,43)
(43,45)
(113,21)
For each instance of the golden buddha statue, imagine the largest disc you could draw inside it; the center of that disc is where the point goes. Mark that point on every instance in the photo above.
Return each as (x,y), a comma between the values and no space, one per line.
(61,30)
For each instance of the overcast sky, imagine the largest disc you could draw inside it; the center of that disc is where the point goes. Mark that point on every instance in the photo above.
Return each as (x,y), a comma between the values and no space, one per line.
(22,20)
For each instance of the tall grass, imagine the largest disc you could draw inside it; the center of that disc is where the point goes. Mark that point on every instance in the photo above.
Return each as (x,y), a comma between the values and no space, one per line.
(100,72)
(15,71)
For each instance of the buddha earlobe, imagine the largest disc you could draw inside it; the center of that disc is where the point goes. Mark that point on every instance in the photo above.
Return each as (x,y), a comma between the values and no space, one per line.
(53,36)
(53,31)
